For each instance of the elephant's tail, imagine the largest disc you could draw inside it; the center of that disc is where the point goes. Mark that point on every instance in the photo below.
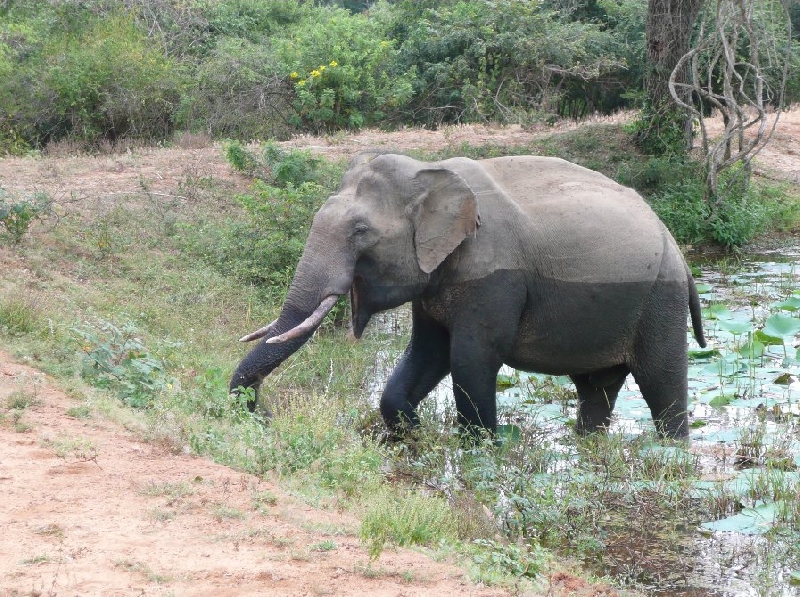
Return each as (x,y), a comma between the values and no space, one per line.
(694,310)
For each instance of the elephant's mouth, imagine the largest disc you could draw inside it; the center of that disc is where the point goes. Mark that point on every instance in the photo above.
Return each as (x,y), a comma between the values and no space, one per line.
(359,316)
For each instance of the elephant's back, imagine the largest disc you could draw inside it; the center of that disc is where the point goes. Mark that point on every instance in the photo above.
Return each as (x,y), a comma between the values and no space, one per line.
(581,226)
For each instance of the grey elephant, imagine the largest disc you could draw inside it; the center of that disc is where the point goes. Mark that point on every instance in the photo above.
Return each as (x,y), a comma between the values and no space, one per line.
(534,262)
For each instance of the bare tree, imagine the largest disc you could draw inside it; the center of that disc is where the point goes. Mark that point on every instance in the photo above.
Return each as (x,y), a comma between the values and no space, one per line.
(738,66)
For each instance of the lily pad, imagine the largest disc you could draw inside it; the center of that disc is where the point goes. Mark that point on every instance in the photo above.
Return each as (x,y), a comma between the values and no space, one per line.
(720,400)
(766,339)
(790,304)
(727,366)
(750,521)
(735,326)
(752,350)
(717,311)
(703,353)
(785,378)
(703,288)
(782,326)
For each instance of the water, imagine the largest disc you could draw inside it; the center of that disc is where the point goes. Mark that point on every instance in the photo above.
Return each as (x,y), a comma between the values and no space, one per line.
(745,417)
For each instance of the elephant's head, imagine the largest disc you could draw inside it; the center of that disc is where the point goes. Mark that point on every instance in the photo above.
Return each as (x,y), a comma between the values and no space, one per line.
(392,223)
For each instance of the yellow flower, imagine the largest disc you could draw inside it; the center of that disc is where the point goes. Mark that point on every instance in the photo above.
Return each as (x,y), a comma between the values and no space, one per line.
(301,83)
(334,63)
(315,73)
(321,68)
(294,75)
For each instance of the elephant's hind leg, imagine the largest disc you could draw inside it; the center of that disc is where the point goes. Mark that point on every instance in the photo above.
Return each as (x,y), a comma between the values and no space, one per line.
(660,361)
(664,388)
(597,394)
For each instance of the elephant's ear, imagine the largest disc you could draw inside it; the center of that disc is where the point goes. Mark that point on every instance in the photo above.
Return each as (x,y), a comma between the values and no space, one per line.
(445,212)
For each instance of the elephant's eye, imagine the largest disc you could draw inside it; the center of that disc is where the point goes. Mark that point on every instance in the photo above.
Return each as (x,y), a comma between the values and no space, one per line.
(360,229)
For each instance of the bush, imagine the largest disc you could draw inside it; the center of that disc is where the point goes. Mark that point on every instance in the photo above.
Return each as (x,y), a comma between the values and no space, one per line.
(344,71)
(100,79)
(116,359)
(502,61)
(407,518)
(264,248)
(16,217)
(273,239)
(240,91)
(730,220)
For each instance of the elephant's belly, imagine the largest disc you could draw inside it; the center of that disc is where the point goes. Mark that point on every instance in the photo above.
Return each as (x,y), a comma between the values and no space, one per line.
(571,328)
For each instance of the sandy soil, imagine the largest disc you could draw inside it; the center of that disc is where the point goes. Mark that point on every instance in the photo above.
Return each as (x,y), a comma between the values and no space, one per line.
(89,509)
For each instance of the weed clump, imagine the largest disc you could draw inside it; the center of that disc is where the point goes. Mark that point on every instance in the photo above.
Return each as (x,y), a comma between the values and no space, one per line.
(17,216)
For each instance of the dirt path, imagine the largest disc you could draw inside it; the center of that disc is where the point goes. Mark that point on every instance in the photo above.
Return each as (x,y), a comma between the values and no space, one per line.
(88,509)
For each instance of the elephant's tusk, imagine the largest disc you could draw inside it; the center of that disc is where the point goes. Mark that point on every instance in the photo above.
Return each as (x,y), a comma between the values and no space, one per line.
(311,323)
(260,333)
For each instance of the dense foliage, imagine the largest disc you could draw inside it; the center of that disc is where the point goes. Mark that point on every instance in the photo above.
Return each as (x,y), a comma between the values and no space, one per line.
(98,71)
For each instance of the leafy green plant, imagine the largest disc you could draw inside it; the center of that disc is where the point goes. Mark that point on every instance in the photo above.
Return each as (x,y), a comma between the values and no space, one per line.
(264,248)
(275,165)
(352,82)
(115,358)
(494,558)
(19,315)
(661,130)
(16,217)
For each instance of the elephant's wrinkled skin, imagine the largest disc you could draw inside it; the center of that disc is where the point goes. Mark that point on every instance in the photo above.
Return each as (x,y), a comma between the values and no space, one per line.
(529,261)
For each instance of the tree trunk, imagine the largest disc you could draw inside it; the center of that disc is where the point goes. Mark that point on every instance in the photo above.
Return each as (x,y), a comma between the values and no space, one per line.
(669,37)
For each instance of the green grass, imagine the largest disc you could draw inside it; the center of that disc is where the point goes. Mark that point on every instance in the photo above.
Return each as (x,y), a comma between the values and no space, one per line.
(404,518)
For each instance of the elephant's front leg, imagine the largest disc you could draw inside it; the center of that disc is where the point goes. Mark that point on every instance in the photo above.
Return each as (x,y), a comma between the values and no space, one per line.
(485,321)
(425,362)
(474,368)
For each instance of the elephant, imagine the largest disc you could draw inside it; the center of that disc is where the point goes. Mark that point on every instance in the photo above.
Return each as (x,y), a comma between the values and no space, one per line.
(533,262)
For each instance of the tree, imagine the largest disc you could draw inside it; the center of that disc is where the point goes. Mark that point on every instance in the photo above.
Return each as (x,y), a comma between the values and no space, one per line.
(669,35)
(738,66)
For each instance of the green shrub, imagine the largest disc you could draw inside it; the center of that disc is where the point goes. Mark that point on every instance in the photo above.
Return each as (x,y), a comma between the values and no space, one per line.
(661,131)
(407,518)
(264,248)
(505,61)
(280,219)
(18,314)
(683,209)
(344,71)
(116,359)
(240,91)
(676,189)
(16,217)
(275,165)
(88,77)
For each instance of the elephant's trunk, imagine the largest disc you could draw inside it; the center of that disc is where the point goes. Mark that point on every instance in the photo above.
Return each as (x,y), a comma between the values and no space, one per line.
(313,293)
